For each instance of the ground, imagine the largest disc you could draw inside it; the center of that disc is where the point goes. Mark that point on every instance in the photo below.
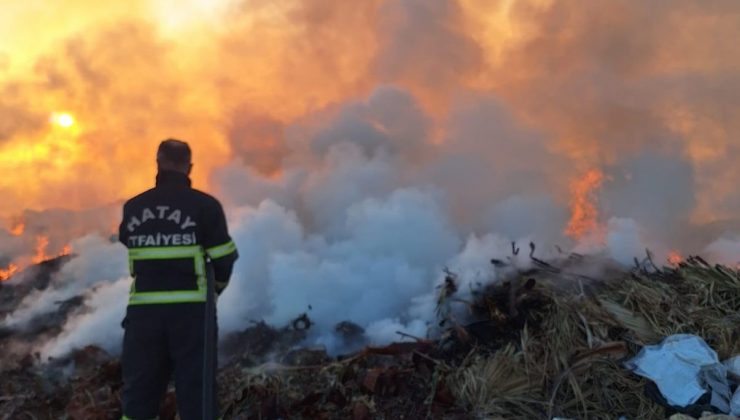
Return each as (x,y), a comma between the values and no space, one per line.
(548,341)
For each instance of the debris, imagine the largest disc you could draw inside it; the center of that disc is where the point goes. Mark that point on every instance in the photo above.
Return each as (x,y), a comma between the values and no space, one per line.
(733,368)
(360,411)
(685,368)
(306,357)
(302,323)
(349,329)
(352,335)
(548,342)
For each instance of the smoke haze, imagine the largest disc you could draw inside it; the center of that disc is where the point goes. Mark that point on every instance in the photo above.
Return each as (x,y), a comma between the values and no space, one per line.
(361,147)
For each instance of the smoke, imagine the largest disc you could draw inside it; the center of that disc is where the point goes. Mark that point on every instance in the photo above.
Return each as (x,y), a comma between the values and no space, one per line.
(98,262)
(12,247)
(725,251)
(98,324)
(611,80)
(624,240)
(599,83)
(16,120)
(642,188)
(260,233)
(424,47)
(389,121)
(364,233)
(360,148)
(389,253)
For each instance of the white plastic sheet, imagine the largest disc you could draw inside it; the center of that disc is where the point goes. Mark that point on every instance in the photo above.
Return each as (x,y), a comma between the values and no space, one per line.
(684,368)
(733,366)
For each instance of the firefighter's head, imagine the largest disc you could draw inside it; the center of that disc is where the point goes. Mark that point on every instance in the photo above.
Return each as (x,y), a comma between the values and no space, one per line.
(174,155)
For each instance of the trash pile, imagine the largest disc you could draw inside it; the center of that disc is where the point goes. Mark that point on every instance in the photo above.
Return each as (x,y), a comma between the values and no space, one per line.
(576,337)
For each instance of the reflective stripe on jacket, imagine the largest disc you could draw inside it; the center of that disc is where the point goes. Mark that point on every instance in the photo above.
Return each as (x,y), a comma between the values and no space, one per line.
(172,232)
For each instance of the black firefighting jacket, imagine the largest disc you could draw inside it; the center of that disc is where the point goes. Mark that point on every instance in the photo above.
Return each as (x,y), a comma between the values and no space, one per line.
(173,232)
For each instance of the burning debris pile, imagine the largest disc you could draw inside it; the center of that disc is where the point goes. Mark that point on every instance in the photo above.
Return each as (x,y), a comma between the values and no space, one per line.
(547,341)
(542,344)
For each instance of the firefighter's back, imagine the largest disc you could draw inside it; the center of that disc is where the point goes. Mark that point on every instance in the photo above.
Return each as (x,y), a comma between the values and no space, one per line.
(172,232)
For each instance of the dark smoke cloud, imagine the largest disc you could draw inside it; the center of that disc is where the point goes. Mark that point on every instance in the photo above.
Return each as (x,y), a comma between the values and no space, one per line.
(257,139)
(489,155)
(616,83)
(389,121)
(423,45)
(641,189)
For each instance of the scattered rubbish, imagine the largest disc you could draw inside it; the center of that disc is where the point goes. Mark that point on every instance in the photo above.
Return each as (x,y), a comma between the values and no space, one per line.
(349,330)
(685,369)
(352,336)
(302,323)
(675,365)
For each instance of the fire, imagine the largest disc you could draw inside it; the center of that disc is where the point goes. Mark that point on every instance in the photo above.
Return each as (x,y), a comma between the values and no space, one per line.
(18,229)
(583,205)
(7,273)
(42,242)
(74,116)
(674,258)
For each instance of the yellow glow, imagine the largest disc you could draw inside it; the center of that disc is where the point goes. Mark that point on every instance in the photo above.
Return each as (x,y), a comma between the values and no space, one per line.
(62,119)
(226,75)
(174,16)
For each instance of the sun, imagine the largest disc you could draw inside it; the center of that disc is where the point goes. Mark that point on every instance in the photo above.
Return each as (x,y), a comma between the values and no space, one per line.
(62,119)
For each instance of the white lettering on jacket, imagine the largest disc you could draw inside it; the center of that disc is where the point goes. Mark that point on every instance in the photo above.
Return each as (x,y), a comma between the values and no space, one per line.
(161,239)
(133,223)
(146,215)
(162,213)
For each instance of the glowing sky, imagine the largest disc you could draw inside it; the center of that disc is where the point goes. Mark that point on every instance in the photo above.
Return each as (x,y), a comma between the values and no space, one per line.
(601,82)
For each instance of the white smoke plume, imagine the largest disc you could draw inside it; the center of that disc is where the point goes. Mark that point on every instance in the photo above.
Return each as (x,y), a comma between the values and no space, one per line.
(725,250)
(99,262)
(97,324)
(359,229)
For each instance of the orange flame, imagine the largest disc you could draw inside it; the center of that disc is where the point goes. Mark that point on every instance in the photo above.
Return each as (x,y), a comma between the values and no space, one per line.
(674,258)
(18,228)
(7,273)
(583,205)
(42,242)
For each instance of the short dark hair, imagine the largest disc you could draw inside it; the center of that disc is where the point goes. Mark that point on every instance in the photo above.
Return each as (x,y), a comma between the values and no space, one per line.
(174,151)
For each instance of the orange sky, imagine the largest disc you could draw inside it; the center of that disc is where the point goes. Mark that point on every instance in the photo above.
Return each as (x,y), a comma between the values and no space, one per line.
(600,81)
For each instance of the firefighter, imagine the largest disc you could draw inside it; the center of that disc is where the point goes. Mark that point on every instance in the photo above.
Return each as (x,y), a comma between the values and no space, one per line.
(174,234)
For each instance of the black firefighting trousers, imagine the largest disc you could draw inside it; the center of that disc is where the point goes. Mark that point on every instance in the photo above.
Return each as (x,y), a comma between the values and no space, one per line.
(161,341)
